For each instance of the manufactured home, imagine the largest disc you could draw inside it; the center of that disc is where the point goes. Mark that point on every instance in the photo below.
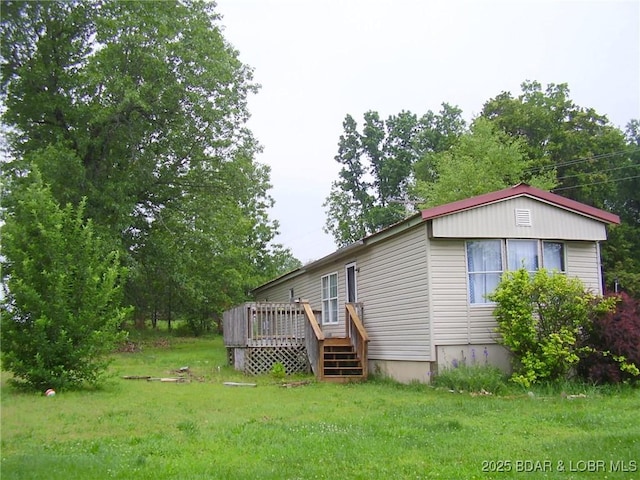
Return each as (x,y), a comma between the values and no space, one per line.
(411,298)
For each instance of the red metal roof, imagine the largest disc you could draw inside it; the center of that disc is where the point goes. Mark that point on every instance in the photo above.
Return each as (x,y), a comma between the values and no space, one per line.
(522,189)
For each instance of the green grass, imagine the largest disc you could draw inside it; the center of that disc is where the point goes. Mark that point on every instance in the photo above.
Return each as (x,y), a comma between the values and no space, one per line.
(379,429)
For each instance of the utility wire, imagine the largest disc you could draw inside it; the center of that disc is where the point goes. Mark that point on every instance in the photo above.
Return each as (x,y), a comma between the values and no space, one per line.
(596,183)
(576,161)
(637,165)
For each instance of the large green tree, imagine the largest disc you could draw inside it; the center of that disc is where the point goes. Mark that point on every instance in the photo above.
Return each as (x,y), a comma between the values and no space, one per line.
(595,162)
(141,108)
(621,253)
(483,160)
(579,143)
(374,185)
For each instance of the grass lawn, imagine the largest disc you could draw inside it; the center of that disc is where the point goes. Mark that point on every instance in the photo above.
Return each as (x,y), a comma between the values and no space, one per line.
(205,430)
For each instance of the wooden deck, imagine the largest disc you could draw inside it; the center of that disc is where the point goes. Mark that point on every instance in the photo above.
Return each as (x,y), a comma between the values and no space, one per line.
(260,334)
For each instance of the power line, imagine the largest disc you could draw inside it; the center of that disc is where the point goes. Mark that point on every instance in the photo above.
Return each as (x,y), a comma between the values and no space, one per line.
(579,160)
(637,165)
(596,183)
(576,161)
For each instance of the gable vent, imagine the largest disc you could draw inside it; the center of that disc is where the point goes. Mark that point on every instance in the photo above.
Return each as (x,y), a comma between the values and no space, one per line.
(523,217)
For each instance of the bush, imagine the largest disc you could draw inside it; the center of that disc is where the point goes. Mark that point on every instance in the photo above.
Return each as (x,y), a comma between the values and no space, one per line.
(612,344)
(540,319)
(61,312)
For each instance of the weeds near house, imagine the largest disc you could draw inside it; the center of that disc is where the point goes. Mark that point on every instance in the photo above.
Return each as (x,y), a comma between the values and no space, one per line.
(472,378)
(278,371)
(136,429)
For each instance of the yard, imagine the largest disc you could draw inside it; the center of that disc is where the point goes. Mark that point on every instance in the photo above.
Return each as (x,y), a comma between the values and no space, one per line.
(205,430)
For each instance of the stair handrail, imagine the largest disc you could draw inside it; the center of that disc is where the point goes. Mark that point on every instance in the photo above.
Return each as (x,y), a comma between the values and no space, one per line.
(358,335)
(314,341)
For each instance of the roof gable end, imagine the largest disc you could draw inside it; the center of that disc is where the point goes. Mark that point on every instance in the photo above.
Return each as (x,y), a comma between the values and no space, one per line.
(522,189)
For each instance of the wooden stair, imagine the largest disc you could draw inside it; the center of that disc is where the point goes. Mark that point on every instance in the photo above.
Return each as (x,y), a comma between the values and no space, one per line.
(340,361)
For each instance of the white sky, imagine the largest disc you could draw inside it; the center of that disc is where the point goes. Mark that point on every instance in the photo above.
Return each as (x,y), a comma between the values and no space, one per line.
(320,60)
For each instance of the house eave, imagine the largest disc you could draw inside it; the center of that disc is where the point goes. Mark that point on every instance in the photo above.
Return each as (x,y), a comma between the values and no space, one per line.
(350,249)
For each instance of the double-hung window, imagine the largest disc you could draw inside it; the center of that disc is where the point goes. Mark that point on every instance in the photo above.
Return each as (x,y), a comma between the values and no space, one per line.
(523,254)
(330,298)
(553,256)
(484,264)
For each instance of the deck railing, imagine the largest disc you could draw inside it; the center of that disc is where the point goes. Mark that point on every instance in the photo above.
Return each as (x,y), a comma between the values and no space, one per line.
(268,324)
(357,333)
(314,341)
(264,325)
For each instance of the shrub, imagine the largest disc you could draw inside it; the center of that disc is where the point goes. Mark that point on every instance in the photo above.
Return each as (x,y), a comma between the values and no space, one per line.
(61,312)
(612,344)
(540,318)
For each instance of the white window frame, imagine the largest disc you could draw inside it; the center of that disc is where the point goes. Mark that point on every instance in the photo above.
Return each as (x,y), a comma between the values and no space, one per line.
(484,301)
(329,302)
(512,242)
(506,261)
(563,255)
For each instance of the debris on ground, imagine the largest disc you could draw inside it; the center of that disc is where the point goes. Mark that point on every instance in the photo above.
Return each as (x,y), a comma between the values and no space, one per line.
(296,384)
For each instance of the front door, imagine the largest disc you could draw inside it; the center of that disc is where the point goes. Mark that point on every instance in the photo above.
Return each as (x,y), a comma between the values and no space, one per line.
(352,290)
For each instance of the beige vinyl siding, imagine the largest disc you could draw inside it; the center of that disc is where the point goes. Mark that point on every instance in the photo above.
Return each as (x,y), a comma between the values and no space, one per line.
(482,324)
(279,293)
(583,261)
(449,304)
(392,285)
(454,321)
(498,220)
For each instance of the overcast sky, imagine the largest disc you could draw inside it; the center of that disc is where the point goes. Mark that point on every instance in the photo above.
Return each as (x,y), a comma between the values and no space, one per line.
(320,60)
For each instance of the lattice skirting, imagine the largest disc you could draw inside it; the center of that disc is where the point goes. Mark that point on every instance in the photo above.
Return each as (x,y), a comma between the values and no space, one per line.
(258,361)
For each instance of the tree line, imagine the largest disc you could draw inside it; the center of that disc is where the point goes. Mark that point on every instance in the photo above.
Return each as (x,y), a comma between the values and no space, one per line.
(130,185)
(392,168)
(131,190)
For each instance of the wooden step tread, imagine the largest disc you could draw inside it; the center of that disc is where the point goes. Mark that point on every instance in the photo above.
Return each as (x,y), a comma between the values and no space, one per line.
(339,348)
(337,342)
(340,355)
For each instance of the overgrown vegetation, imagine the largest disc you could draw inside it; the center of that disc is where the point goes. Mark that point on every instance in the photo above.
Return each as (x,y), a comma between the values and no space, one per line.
(478,379)
(541,318)
(379,430)
(134,116)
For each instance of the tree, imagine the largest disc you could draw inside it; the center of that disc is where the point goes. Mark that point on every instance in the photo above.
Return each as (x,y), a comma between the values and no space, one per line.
(61,311)
(580,144)
(483,160)
(142,106)
(594,162)
(374,186)
(621,253)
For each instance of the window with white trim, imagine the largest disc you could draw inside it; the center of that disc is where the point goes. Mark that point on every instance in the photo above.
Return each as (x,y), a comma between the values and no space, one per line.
(330,298)
(553,256)
(484,264)
(523,253)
